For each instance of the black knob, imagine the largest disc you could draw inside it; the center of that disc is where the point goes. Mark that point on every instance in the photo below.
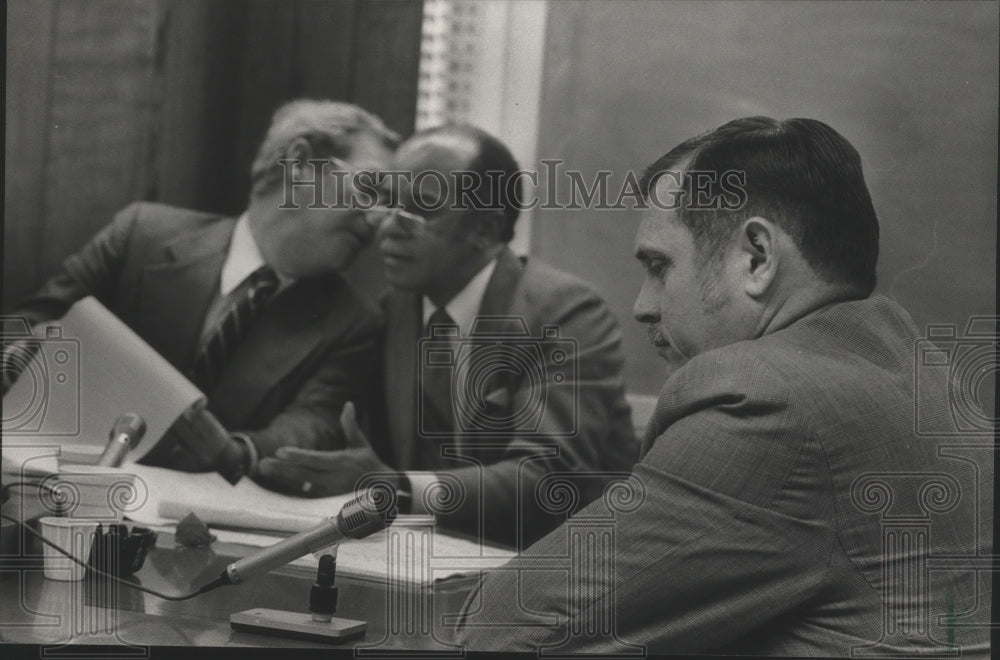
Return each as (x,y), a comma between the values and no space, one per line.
(323,595)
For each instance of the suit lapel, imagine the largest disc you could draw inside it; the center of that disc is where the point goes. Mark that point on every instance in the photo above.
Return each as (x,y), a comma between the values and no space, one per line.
(499,294)
(403,331)
(175,294)
(498,317)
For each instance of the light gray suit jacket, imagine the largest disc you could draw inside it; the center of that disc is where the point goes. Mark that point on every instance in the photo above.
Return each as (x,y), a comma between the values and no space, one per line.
(786,505)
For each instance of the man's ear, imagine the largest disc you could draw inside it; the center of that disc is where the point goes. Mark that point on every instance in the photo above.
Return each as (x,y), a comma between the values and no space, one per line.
(759,255)
(299,151)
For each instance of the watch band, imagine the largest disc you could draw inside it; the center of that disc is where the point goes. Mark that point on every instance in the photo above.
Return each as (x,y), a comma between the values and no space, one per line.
(251,456)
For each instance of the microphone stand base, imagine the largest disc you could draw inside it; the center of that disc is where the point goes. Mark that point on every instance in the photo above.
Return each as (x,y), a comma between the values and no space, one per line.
(296,625)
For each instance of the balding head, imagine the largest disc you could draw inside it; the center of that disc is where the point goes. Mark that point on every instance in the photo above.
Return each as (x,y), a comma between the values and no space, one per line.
(477,163)
(461,182)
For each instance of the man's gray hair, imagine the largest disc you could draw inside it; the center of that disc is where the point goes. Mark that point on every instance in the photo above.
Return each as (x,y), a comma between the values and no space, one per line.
(328,127)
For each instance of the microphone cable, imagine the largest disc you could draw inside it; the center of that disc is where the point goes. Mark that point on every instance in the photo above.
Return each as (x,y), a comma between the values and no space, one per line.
(5,492)
(217,582)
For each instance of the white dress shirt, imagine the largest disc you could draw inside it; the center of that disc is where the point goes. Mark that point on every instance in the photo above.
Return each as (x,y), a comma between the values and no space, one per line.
(242,259)
(464,307)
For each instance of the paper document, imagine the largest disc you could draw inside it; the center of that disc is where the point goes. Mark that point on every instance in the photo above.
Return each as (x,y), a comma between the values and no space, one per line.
(169,495)
(89,368)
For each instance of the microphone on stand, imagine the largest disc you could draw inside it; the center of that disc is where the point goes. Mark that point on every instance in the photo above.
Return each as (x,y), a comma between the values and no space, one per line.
(125,435)
(358,518)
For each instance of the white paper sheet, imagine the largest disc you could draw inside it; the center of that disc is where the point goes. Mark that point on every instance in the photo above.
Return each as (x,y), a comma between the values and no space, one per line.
(92,368)
(170,495)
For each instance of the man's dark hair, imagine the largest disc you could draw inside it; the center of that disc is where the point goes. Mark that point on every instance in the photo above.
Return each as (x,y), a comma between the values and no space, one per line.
(799,173)
(499,185)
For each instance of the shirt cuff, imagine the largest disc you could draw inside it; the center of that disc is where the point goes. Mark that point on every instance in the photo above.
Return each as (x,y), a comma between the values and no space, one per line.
(419,483)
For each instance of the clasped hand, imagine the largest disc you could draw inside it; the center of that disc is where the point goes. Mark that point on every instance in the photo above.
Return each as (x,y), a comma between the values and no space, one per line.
(322,473)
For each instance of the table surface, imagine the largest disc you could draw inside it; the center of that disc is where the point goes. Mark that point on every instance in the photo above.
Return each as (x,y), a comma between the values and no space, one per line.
(35,610)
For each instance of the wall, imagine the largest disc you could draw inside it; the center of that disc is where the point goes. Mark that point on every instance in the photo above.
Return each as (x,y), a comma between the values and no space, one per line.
(912,85)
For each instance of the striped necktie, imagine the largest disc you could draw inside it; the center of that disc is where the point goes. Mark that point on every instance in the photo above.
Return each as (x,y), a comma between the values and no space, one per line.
(436,383)
(248,300)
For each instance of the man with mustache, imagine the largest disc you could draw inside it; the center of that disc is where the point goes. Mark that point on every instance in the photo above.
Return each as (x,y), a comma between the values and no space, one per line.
(785,502)
(525,379)
(252,309)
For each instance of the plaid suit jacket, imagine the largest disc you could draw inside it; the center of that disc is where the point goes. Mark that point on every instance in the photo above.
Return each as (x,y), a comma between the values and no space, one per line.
(786,503)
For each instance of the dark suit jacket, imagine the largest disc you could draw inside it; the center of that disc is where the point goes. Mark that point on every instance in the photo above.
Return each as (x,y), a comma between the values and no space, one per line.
(789,508)
(584,426)
(157,268)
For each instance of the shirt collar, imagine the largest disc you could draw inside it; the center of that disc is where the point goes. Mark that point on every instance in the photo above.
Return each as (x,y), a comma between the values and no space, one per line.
(464,307)
(243,258)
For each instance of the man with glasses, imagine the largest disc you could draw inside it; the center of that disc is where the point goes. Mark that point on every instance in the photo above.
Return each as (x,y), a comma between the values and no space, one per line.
(502,376)
(252,309)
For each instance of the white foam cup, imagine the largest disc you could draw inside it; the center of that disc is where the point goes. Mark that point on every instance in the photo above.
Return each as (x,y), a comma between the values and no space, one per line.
(74,535)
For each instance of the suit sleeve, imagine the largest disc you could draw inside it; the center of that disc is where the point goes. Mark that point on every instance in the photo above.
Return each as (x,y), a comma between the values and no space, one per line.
(732,526)
(93,271)
(584,431)
(312,419)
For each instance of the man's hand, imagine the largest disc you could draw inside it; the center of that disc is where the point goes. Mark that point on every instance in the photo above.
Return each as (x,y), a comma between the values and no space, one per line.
(197,442)
(322,473)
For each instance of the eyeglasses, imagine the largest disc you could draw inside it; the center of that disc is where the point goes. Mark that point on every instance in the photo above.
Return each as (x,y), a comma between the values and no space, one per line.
(409,222)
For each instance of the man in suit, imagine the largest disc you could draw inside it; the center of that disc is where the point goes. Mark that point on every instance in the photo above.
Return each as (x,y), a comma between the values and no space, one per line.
(785,502)
(252,309)
(520,385)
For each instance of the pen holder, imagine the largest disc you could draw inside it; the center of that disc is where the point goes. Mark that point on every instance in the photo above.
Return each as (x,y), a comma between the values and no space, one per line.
(118,552)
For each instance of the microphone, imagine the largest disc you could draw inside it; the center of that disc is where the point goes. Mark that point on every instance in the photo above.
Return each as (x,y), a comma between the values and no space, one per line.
(358,518)
(125,435)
